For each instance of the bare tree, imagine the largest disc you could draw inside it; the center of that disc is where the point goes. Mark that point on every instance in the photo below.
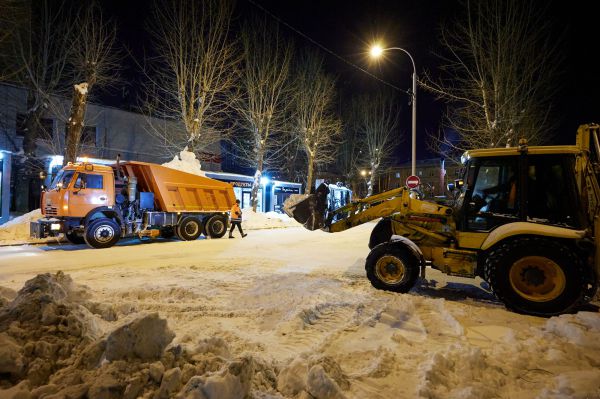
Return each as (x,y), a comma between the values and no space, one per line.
(262,104)
(498,74)
(194,71)
(41,47)
(316,125)
(94,62)
(376,119)
(350,154)
(12,19)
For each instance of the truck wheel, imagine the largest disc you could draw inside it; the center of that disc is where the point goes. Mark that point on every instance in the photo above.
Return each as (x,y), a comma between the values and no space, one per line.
(382,232)
(102,233)
(216,226)
(75,237)
(392,267)
(536,276)
(189,228)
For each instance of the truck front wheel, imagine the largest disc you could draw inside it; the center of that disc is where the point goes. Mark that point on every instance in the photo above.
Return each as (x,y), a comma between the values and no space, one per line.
(392,267)
(536,276)
(216,226)
(102,233)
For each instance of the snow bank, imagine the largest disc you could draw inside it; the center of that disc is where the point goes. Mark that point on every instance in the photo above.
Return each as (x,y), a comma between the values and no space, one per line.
(51,344)
(16,231)
(269,220)
(186,161)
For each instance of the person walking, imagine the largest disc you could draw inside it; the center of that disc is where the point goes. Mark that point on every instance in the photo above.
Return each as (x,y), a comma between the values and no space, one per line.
(236,219)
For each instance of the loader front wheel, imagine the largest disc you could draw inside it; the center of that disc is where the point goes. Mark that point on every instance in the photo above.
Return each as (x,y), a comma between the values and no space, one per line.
(392,267)
(102,233)
(536,276)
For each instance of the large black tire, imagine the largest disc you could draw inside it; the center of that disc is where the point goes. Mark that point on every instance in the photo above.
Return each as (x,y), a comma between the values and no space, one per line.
(536,276)
(75,237)
(392,267)
(216,226)
(189,228)
(382,232)
(102,233)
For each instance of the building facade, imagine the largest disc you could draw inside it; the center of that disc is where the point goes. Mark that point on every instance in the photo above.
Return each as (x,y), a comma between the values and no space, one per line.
(108,132)
(435,174)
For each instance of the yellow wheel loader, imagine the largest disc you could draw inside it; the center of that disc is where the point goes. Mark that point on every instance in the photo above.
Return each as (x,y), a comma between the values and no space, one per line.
(524,219)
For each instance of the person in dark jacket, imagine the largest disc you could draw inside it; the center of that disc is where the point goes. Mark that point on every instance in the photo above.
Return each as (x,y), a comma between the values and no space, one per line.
(236,219)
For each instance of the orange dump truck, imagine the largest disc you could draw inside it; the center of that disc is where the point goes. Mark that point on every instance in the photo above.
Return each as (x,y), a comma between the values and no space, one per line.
(100,204)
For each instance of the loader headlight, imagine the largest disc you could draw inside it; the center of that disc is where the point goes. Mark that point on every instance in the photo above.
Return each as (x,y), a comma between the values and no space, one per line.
(55,226)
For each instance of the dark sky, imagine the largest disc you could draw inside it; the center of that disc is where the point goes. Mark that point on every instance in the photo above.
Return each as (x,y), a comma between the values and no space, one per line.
(347,28)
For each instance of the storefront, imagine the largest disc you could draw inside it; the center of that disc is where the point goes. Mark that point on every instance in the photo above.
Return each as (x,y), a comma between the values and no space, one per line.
(271,194)
(4,186)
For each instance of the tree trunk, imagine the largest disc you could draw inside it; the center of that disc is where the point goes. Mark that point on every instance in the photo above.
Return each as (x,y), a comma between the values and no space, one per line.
(76,122)
(310,187)
(256,184)
(371,180)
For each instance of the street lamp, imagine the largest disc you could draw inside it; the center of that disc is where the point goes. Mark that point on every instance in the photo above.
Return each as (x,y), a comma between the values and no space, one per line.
(376,52)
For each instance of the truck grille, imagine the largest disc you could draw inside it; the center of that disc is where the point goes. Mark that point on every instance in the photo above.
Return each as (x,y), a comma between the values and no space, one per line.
(50,210)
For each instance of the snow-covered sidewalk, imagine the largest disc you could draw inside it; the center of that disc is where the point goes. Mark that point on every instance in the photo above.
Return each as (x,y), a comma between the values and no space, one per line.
(289,313)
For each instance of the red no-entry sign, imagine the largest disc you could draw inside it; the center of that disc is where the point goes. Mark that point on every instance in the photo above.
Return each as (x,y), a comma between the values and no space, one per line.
(413,181)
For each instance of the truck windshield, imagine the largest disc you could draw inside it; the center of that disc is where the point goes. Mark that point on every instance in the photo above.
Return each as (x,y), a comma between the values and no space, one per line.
(62,179)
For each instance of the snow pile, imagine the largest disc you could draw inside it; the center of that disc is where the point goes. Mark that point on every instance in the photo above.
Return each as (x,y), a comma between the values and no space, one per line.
(16,231)
(51,344)
(186,161)
(270,220)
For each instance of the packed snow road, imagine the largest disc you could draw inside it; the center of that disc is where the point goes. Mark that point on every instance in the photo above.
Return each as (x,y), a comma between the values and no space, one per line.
(299,304)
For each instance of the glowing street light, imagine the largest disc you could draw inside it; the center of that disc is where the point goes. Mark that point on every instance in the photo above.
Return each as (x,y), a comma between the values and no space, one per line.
(376,52)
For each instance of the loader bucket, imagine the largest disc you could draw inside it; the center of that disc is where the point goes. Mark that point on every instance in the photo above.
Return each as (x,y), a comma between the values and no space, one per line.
(310,210)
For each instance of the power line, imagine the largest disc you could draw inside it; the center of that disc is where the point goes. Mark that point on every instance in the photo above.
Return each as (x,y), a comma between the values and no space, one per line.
(275,17)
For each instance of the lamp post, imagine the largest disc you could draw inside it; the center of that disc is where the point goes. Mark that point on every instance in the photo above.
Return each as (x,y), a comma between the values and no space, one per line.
(376,52)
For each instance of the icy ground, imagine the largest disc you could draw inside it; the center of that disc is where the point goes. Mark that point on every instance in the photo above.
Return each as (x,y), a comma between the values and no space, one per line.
(281,313)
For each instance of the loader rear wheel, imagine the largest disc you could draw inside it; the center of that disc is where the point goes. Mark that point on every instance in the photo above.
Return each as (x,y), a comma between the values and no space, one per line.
(189,228)
(216,226)
(392,267)
(102,233)
(536,276)
(75,237)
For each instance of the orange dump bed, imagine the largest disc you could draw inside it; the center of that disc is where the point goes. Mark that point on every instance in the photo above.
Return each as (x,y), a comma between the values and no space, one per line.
(176,191)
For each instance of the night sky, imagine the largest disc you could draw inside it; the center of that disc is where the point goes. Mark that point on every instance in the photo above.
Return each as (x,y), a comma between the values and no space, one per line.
(348,27)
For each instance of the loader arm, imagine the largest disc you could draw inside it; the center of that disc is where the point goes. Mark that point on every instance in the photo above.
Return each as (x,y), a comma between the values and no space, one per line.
(397,203)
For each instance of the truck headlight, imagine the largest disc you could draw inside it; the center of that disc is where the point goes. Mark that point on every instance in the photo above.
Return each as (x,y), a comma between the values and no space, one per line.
(54,226)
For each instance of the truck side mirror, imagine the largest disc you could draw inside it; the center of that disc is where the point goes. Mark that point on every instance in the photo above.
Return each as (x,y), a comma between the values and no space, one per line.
(450,187)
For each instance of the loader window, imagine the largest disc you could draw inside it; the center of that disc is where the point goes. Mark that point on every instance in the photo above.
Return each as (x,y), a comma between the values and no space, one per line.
(552,192)
(494,198)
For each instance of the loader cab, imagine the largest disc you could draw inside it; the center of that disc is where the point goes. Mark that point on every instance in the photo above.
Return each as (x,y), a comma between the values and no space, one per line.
(505,186)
